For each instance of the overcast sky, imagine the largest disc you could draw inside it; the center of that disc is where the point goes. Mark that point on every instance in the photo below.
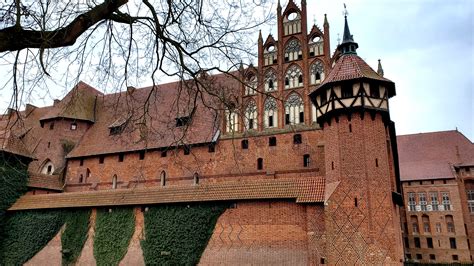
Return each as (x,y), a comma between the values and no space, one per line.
(426,48)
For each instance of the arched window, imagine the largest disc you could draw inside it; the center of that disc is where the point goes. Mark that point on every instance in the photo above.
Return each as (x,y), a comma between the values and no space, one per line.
(293,51)
(450,224)
(88,173)
(293,77)
(271,83)
(232,121)
(294,110)
(251,84)
(196,179)
(292,23)
(414,223)
(163,178)
(251,115)
(48,168)
(316,72)
(114,182)
(316,46)
(270,113)
(81,178)
(426,223)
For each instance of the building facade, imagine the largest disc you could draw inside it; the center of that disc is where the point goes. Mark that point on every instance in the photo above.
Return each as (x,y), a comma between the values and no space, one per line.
(436,174)
(296,145)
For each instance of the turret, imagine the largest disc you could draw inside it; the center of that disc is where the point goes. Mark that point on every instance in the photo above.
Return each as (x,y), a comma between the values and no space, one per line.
(361,219)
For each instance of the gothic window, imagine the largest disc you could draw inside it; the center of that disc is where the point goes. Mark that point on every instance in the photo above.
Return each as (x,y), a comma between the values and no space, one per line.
(411,201)
(232,121)
(446,201)
(163,178)
(423,203)
(316,72)
(270,113)
(251,115)
(196,179)
(426,223)
(293,77)
(270,55)
(450,224)
(294,110)
(48,168)
(251,85)
(271,83)
(293,51)
(292,23)
(434,201)
(316,46)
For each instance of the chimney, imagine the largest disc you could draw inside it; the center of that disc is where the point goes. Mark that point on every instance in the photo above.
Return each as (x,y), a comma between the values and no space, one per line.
(29,108)
(55,102)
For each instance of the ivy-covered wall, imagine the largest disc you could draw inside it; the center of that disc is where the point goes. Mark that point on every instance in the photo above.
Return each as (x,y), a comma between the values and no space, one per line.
(26,233)
(178,234)
(113,230)
(74,235)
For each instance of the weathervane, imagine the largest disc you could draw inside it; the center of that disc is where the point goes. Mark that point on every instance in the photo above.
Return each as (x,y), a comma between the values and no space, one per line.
(338,39)
(314,19)
(345,13)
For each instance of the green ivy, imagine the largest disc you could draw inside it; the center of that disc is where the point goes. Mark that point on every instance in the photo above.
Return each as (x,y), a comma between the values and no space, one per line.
(178,234)
(74,236)
(113,231)
(26,233)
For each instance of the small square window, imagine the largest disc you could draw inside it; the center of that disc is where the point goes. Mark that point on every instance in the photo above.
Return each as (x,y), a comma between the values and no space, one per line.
(182,121)
(432,257)
(311,53)
(272,141)
(187,150)
(297,139)
(300,56)
(245,144)
(455,257)
(347,91)
(142,155)
(73,126)
(408,255)
(419,256)
(374,90)
(306,160)
(163,154)
(120,157)
(101,159)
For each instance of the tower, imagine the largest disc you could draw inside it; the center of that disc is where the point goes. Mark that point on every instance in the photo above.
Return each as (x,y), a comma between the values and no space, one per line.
(361,219)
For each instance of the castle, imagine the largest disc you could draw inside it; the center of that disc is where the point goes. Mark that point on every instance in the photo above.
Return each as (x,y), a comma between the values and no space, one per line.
(301,147)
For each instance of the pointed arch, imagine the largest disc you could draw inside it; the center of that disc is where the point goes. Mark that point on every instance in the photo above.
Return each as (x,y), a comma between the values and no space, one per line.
(232,121)
(196,178)
(293,50)
(251,84)
(292,20)
(294,109)
(251,117)
(293,77)
(163,178)
(114,181)
(316,72)
(270,113)
(271,82)
(47,167)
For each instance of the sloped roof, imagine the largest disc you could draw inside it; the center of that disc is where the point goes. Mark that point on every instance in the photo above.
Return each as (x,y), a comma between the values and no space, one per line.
(151,114)
(431,155)
(351,66)
(78,104)
(52,182)
(9,142)
(304,190)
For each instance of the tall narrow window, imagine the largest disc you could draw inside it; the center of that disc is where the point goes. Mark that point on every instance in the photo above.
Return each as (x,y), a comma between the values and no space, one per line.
(306,160)
(270,81)
(450,224)
(293,77)
(294,108)
(470,200)
(374,90)
(414,223)
(141,155)
(429,242)
(434,200)
(196,179)
(163,178)
(251,115)
(316,72)
(232,121)
(270,113)
(251,84)
(426,223)
(88,173)
(245,144)
(120,157)
(417,242)
(101,159)
(81,178)
(446,201)
(438,227)
(187,149)
(423,203)
(452,242)
(293,51)
(411,201)
(259,164)
(114,182)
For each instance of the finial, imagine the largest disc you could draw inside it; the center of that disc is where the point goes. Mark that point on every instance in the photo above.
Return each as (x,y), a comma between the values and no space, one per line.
(241,66)
(380,69)
(260,35)
(314,19)
(345,13)
(325,19)
(279,5)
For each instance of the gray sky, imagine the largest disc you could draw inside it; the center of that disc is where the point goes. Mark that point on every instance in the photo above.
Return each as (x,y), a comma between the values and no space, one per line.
(426,48)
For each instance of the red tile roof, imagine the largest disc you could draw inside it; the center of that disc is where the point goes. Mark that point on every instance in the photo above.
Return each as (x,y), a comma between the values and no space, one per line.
(51,182)
(10,142)
(304,190)
(431,155)
(151,115)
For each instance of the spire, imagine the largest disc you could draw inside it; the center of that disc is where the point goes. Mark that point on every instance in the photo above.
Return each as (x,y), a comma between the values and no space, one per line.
(380,69)
(348,45)
(279,5)
(325,20)
(260,39)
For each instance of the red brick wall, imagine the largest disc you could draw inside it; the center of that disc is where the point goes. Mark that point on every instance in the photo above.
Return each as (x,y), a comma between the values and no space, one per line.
(366,232)
(228,162)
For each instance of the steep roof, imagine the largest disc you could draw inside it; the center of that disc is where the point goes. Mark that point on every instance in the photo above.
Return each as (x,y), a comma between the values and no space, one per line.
(148,117)
(431,155)
(10,142)
(78,104)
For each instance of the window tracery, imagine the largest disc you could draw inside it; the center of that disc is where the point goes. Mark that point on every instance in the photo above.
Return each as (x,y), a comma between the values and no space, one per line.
(271,83)
(294,110)
(293,51)
(316,72)
(251,85)
(251,115)
(270,113)
(293,77)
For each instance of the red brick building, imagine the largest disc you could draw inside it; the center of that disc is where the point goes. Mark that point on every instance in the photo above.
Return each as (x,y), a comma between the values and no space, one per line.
(437,179)
(302,146)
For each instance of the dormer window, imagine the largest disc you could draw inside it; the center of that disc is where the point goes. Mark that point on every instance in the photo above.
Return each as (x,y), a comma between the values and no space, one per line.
(183,121)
